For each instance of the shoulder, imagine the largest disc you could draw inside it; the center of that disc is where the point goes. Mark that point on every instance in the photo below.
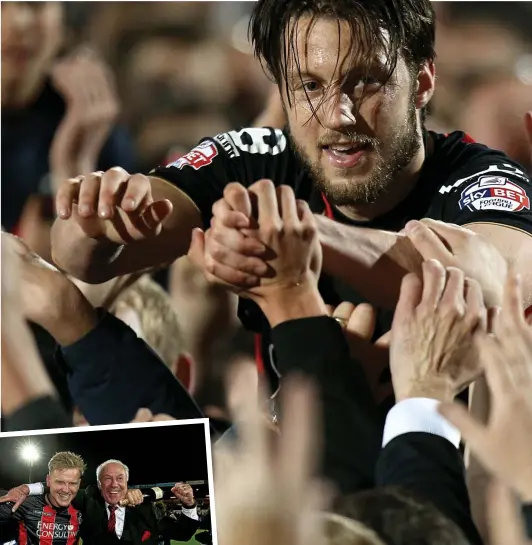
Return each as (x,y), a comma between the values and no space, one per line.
(461,158)
(481,177)
(236,145)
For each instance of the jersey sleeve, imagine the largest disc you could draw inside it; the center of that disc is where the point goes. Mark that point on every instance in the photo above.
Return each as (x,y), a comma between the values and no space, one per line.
(244,156)
(493,190)
(6,512)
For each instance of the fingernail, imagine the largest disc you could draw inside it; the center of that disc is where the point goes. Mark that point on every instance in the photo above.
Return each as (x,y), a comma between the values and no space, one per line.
(105,211)
(129,204)
(411,226)
(259,250)
(64,212)
(85,209)
(261,269)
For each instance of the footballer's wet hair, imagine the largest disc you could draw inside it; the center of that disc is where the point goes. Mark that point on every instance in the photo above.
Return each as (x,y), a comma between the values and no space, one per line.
(395,27)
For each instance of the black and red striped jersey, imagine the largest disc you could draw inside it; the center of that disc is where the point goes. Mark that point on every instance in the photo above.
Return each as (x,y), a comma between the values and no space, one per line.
(461,182)
(40,523)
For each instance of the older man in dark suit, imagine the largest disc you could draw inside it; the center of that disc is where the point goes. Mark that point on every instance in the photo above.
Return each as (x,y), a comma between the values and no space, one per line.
(106,521)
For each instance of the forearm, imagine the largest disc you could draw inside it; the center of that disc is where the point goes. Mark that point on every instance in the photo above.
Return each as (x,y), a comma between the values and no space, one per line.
(114,373)
(372,261)
(316,347)
(81,256)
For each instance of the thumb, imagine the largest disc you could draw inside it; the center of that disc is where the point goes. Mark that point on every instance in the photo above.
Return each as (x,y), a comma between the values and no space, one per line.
(156,213)
(196,252)
(362,321)
(384,341)
(472,431)
(18,503)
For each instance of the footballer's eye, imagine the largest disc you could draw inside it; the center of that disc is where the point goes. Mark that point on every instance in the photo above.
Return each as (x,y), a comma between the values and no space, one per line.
(369,80)
(311,86)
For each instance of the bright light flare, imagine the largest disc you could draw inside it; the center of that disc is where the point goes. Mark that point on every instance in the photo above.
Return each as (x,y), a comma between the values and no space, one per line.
(29,452)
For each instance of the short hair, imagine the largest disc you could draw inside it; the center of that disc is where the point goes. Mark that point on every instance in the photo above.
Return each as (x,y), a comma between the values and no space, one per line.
(111,461)
(399,518)
(340,530)
(66,460)
(409,26)
(157,316)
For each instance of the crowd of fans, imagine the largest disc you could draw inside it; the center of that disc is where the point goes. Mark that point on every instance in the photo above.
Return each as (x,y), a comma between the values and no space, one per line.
(332,411)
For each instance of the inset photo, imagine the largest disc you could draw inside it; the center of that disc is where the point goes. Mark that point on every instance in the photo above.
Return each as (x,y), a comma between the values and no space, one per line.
(137,484)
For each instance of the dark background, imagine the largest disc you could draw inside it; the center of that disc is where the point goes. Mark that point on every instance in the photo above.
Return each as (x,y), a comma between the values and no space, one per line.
(153,454)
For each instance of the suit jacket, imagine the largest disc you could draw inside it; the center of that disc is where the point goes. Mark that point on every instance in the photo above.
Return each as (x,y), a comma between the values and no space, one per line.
(431,468)
(142,525)
(352,427)
(112,373)
(427,465)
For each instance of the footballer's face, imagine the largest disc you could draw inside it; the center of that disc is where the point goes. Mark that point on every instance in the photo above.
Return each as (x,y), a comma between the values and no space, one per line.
(356,130)
(64,485)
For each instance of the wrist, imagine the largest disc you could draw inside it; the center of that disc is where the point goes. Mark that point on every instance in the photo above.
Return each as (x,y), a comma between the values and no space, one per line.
(72,323)
(430,390)
(283,304)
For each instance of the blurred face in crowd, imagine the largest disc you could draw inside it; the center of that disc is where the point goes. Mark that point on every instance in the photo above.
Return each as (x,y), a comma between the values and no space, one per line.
(64,485)
(32,33)
(113,483)
(355,130)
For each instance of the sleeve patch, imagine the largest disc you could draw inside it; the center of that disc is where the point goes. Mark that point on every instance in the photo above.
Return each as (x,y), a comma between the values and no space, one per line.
(201,156)
(494,193)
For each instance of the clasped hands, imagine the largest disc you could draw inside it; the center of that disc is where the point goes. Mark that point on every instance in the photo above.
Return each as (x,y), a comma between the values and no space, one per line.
(262,241)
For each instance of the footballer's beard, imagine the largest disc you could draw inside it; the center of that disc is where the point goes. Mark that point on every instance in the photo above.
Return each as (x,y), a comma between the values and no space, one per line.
(386,170)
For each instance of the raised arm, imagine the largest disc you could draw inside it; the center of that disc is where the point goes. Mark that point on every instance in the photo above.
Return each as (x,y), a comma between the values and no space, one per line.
(114,223)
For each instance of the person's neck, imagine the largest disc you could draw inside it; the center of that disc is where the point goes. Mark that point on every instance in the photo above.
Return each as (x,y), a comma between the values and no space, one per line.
(49,501)
(401,187)
(20,93)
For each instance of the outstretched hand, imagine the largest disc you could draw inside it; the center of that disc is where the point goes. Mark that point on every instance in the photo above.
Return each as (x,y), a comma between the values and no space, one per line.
(17,495)
(266,492)
(504,445)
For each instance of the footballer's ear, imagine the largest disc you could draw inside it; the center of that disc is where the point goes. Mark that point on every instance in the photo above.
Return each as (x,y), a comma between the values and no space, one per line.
(426,80)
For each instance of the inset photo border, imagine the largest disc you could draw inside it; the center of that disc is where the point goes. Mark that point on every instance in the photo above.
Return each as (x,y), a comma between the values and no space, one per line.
(157,474)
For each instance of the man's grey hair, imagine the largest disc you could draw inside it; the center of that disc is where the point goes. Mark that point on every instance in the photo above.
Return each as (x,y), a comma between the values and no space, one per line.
(107,462)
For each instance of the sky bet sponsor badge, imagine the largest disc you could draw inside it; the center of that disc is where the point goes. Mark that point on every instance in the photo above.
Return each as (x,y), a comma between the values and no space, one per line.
(494,193)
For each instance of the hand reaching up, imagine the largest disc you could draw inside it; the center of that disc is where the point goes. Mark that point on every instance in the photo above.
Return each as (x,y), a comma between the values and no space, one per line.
(432,333)
(504,445)
(266,493)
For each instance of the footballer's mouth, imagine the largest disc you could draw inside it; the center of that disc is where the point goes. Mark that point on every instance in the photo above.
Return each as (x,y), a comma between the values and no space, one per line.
(345,155)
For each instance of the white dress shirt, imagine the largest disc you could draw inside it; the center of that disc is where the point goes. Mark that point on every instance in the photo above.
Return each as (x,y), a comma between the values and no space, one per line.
(418,414)
(120,517)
